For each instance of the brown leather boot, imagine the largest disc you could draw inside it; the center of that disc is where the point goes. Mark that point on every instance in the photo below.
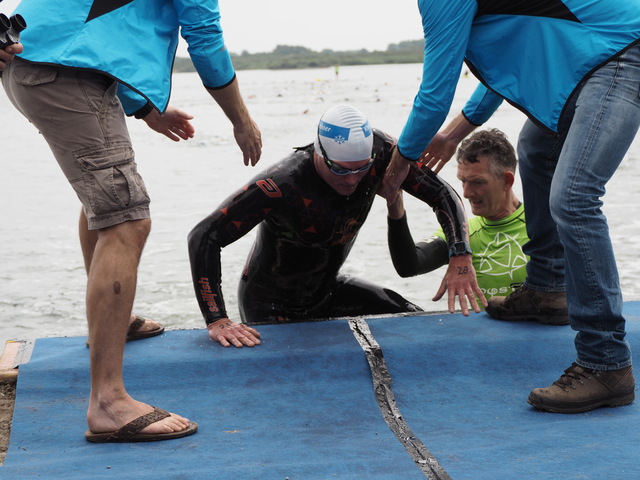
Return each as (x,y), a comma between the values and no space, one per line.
(524,304)
(581,389)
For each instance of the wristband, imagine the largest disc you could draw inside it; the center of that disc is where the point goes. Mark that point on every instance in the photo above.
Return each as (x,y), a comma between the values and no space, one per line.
(459,248)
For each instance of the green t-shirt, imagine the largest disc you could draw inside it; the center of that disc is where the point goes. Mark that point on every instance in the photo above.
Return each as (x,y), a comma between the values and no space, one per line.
(497,252)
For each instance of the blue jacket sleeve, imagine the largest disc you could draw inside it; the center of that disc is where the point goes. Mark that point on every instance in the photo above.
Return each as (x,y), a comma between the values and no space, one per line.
(447,27)
(482,104)
(200,27)
(131,101)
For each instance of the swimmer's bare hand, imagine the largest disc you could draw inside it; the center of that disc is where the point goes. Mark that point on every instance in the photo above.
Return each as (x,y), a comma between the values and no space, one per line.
(460,281)
(173,123)
(228,333)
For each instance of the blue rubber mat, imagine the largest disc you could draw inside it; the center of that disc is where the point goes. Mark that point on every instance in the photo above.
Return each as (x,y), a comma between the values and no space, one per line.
(463,392)
(302,406)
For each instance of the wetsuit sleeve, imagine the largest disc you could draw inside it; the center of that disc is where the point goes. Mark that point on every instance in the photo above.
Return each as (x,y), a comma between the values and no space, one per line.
(425,185)
(446,26)
(233,219)
(482,104)
(200,27)
(411,259)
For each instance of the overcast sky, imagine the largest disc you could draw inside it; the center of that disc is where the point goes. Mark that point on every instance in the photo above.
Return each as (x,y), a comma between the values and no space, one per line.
(261,25)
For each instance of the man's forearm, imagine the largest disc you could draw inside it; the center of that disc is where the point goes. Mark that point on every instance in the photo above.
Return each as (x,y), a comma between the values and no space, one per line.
(231,102)
(411,259)
(245,131)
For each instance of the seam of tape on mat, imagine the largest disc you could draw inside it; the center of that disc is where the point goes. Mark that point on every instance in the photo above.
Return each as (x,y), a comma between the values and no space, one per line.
(382,380)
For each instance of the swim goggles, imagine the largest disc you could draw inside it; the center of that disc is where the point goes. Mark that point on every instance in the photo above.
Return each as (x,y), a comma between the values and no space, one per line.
(337,169)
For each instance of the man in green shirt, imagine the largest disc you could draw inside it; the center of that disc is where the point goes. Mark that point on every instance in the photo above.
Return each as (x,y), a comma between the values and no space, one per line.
(486,167)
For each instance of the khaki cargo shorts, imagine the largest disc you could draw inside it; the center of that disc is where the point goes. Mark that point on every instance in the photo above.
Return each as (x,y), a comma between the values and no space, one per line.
(82,120)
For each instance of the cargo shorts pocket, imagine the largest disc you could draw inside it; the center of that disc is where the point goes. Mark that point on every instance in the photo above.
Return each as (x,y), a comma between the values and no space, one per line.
(29,75)
(110,179)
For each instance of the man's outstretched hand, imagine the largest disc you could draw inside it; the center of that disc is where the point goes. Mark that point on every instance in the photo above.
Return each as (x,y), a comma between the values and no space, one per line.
(173,123)
(460,281)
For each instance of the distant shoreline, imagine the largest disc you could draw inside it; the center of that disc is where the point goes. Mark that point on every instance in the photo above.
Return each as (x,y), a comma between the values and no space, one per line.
(294,57)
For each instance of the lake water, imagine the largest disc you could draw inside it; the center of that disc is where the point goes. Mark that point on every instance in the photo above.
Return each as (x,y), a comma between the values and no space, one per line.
(42,280)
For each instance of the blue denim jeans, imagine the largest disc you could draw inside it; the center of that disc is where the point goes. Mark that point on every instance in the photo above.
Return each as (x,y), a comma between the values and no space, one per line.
(564,178)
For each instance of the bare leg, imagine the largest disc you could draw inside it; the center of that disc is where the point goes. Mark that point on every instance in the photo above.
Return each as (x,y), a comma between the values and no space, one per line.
(110,292)
(88,241)
(112,255)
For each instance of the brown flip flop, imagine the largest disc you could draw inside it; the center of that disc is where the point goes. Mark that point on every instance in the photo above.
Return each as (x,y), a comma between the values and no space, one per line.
(134,332)
(130,432)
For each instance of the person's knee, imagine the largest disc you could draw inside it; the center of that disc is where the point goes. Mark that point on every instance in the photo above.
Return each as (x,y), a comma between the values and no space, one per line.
(559,208)
(412,307)
(142,228)
(132,234)
(571,208)
(140,231)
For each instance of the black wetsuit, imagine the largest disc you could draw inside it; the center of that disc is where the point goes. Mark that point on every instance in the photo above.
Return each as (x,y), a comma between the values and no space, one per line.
(305,232)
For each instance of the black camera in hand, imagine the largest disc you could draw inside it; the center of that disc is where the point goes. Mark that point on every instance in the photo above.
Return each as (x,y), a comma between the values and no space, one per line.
(10,29)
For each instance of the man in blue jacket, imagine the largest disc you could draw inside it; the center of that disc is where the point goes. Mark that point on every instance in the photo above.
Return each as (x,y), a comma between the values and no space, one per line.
(572,67)
(83,68)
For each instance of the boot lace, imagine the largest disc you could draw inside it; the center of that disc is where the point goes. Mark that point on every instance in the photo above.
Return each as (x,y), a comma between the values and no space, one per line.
(517,288)
(575,373)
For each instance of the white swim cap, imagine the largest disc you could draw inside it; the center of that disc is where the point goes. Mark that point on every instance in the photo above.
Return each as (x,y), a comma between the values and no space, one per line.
(345,135)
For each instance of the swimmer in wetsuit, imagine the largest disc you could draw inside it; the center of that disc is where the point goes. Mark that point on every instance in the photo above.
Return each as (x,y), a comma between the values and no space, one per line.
(309,208)
(487,169)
